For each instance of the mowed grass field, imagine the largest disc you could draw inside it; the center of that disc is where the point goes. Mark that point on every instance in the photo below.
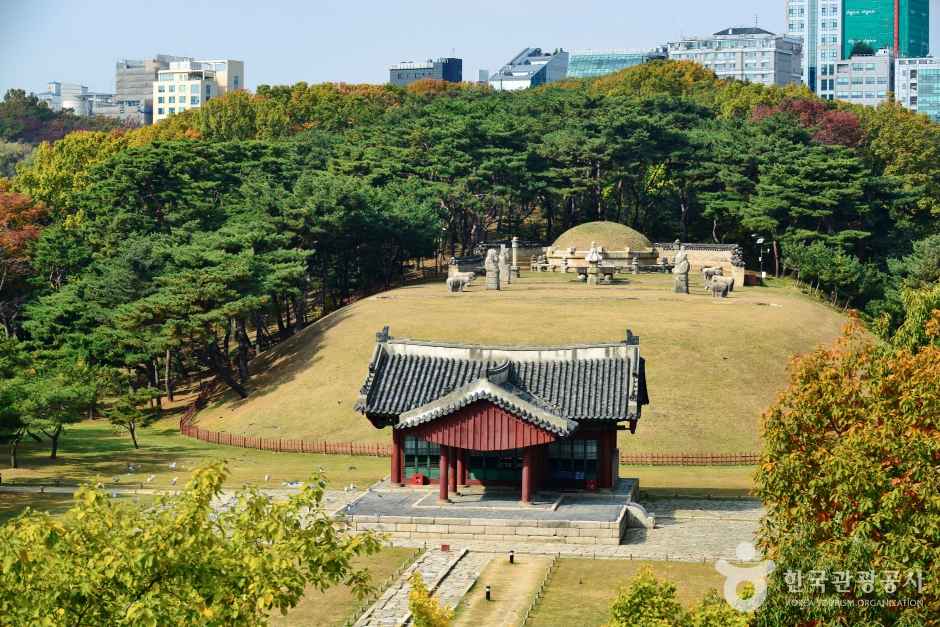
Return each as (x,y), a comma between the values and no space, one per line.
(337,605)
(94,451)
(581,591)
(713,366)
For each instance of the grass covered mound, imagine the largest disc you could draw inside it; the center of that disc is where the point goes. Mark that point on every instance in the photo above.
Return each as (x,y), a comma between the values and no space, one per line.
(610,235)
(713,366)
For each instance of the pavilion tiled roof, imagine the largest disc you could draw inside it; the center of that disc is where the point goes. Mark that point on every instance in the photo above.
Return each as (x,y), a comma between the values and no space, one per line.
(410,380)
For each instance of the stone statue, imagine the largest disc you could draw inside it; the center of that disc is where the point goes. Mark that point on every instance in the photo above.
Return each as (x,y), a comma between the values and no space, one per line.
(515,257)
(491,265)
(681,269)
(457,284)
(719,288)
(505,272)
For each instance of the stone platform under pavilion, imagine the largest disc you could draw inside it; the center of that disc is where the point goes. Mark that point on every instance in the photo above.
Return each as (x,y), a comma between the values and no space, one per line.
(477,513)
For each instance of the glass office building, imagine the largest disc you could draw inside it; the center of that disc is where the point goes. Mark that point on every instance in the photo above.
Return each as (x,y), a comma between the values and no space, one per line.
(873,22)
(590,63)
(917,85)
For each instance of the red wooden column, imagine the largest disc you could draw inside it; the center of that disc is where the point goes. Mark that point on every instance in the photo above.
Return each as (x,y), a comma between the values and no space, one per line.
(603,460)
(452,471)
(527,475)
(442,480)
(462,468)
(396,457)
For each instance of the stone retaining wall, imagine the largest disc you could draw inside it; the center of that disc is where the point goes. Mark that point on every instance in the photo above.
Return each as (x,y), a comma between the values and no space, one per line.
(495,530)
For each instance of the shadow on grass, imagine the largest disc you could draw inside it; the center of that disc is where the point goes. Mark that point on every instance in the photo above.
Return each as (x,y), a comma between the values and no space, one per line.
(281,363)
(99,450)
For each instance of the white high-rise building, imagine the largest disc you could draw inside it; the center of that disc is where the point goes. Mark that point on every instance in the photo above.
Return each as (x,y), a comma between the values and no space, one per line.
(188,84)
(744,53)
(917,85)
(819,24)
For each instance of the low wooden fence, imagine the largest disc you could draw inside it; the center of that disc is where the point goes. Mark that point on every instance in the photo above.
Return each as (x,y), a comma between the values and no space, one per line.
(287,445)
(697,459)
(324,447)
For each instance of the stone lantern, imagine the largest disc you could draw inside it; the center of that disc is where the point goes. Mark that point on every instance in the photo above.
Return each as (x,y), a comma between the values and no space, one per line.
(593,259)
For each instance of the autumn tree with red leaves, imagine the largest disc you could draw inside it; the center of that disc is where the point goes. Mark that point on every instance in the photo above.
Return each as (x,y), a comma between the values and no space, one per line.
(849,478)
(826,126)
(21,222)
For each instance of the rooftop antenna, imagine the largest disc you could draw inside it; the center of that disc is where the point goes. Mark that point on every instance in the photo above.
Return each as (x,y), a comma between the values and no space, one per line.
(756,21)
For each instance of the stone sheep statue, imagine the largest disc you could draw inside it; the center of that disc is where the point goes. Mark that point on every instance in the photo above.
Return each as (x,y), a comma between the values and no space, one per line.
(457,283)
(719,289)
(720,286)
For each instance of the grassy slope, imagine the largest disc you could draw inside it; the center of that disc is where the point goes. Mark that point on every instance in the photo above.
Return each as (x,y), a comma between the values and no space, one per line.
(581,591)
(713,366)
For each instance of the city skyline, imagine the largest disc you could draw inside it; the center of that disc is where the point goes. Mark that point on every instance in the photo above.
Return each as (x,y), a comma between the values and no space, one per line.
(351,42)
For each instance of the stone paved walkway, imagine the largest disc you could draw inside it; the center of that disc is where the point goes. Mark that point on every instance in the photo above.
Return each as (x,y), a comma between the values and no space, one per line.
(391,610)
(455,586)
(333,500)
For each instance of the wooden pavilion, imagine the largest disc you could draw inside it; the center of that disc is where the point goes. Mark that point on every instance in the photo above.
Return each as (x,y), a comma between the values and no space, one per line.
(537,417)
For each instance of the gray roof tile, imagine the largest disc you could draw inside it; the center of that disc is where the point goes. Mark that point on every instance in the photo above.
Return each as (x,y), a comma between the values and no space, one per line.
(588,382)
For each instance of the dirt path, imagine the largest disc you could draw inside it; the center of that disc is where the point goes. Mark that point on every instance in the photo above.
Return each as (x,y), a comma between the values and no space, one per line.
(512,587)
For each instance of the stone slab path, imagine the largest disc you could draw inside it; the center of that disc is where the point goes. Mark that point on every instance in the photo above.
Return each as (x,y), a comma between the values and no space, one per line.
(448,576)
(461,578)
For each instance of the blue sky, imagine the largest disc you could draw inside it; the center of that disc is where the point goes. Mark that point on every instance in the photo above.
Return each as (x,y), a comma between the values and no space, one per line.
(285,41)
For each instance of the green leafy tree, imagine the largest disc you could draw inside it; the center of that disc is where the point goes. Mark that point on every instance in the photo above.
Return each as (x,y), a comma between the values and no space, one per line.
(181,562)
(56,393)
(133,409)
(12,153)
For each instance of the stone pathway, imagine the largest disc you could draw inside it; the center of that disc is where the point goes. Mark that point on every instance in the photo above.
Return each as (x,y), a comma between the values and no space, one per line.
(391,610)
(333,500)
(455,586)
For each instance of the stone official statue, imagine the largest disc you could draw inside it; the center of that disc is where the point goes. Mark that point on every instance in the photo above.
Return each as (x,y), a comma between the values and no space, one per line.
(505,268)
(681,269)
(491,265)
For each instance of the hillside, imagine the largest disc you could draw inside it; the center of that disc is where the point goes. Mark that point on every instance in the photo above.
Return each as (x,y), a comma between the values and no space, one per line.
(713,366)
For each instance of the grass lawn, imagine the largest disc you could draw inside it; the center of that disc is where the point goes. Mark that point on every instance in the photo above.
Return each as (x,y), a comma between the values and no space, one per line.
(336,605)
(713,366)
(12,503)
(581,591)
(717,481)
(512,589)
(94,450)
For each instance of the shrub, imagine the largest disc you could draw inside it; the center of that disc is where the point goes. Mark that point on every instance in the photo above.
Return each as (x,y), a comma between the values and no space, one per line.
(647,602)
(426,611)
